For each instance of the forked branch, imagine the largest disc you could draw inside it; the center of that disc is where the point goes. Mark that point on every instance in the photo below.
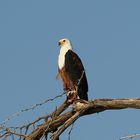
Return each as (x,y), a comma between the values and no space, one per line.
(81,108)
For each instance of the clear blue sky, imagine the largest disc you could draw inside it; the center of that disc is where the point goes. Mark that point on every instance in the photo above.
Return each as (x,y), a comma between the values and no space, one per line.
(105,34)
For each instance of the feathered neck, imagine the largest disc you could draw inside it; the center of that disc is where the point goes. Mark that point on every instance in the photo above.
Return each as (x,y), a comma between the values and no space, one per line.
(61,58)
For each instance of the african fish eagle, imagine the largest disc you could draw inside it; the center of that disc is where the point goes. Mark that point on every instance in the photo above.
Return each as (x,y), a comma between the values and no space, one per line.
(72,72)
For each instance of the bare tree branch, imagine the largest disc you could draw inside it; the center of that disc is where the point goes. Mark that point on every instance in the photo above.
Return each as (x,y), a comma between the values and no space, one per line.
(130,137)
(80,108)
(9,132)
(30,108)
(66,125)
(57,123)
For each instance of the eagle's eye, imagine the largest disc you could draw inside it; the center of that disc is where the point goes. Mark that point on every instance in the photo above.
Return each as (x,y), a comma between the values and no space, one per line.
(64,40)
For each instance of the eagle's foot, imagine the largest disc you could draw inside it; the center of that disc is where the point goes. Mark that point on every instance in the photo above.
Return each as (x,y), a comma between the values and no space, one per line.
(71,96)
(71,92)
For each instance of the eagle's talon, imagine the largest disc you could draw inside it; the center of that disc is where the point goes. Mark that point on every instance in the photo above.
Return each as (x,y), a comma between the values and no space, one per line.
(70,93)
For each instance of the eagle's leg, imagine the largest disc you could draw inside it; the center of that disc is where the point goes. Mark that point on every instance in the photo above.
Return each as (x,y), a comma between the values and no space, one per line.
(71,95)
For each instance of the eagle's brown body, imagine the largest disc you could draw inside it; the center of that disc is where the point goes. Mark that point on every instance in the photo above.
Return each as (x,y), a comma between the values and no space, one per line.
(68,84)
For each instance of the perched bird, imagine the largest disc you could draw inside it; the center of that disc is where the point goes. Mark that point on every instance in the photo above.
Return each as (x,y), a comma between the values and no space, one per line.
(72,72)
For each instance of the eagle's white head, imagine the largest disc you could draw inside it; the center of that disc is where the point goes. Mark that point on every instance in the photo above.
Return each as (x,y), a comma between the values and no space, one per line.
(65,45)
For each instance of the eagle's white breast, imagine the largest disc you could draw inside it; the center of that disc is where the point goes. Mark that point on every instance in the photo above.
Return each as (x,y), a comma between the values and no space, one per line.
(61,57)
